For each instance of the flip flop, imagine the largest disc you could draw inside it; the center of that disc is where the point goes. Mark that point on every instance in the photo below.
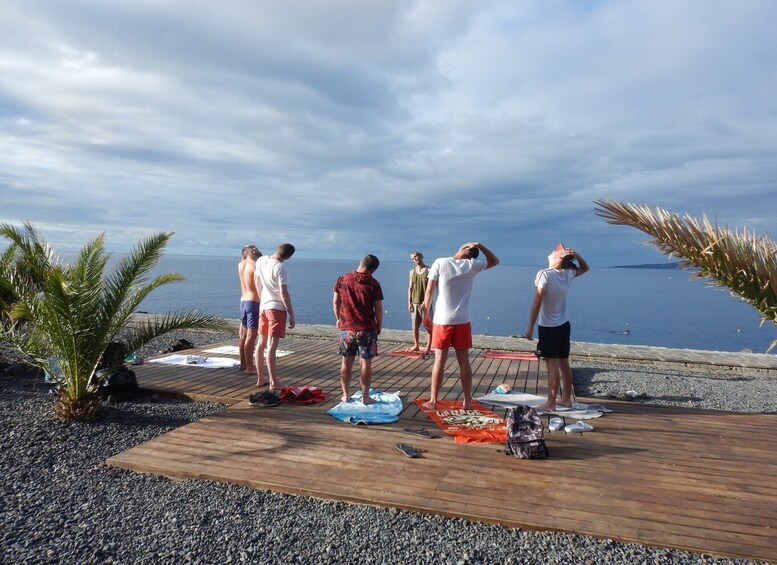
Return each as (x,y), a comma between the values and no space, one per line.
(356,421)
(578,428)
(421,432)
(408,450)
(555,424)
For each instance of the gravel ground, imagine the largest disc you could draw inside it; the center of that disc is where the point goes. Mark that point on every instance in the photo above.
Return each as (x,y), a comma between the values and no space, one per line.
(60,503)
(714,388)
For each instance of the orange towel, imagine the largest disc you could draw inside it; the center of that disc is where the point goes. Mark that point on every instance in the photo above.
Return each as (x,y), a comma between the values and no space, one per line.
(478,425)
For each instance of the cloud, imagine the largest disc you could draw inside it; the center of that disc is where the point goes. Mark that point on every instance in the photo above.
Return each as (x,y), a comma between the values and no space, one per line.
(383,126)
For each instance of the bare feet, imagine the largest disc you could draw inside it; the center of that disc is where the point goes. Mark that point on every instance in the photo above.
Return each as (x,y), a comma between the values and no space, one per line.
(545,407)
(565,404)
(242,366)
(249,370)
(345,398)
(430,405)
(367,400)
(260,381)
(467,405)
(278,385)
(413,349)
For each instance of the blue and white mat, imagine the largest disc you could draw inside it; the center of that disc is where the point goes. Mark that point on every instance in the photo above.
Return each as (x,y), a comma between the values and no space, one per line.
(386,409)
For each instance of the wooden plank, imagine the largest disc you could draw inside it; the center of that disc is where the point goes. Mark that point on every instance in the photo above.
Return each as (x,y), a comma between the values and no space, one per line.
(669,476)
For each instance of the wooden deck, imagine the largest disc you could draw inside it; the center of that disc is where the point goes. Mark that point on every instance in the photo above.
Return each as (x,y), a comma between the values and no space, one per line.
(697,480)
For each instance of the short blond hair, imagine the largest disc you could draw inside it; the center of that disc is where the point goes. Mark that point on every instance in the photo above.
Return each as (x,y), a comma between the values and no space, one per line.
(251,249)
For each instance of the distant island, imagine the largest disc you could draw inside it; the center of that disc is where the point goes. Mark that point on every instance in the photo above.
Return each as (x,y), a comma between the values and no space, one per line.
(668,265)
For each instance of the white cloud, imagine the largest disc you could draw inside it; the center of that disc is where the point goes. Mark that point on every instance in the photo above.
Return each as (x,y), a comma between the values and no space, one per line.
(346,126)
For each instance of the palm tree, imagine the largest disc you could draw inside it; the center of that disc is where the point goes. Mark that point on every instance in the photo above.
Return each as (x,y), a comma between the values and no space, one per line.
(64,316)
(744,262)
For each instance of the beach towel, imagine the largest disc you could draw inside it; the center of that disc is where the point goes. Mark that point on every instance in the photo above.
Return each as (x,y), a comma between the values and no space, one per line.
(197,361)
(385,410)
(235,350)
(511,355)
(579,411)
(303,394)
(413,354)
(477,425)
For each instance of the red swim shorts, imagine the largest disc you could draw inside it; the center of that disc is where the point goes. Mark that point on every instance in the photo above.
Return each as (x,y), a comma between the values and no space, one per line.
(458,336)
(273,323)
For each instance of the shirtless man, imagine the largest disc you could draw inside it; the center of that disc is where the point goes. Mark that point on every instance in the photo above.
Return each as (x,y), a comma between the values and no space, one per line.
(272,281)
(249,306)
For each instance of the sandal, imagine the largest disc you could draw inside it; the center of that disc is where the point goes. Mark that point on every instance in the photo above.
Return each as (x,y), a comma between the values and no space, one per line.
(408,450)
(264,399)
(421,432)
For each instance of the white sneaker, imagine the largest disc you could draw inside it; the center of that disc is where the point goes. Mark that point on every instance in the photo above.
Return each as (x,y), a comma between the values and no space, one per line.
(578,428)
(555,424)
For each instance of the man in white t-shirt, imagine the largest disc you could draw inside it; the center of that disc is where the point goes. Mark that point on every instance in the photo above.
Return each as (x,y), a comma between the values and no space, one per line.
(453,277)
(550,306)
(272,281)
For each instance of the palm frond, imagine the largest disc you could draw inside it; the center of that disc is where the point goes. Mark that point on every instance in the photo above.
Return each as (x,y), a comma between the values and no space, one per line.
(153,327)
(743,261)
(70,313)
(132,269)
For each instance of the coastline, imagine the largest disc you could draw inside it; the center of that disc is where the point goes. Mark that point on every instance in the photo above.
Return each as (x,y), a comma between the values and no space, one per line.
(580,350)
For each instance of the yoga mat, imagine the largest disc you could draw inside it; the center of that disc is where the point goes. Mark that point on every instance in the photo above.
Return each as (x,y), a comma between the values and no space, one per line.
(579,411)
(235,350)
(200,361)
(385,410)
(511,355)
(477,425)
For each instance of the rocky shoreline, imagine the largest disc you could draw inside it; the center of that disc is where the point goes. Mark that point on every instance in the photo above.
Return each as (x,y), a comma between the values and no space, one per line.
(60,503)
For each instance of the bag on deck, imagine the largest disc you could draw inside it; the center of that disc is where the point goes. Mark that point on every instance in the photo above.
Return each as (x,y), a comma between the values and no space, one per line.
(122,384)
(524,434)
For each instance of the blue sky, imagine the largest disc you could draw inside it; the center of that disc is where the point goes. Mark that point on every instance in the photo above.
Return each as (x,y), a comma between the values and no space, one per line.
(355,127)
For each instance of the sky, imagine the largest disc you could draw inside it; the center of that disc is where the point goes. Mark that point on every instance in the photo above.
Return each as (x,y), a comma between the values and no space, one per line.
(354,127)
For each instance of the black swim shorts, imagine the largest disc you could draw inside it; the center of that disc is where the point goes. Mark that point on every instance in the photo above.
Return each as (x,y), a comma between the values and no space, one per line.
(554,342)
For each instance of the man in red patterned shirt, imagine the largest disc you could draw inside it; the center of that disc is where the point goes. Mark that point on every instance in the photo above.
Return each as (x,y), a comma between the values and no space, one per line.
(358,306)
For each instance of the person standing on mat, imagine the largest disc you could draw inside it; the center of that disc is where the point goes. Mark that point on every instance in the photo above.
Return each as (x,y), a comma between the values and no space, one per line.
(358,306)
(272,281)
(554,331)
(453,277)
(249,307)
(416,291)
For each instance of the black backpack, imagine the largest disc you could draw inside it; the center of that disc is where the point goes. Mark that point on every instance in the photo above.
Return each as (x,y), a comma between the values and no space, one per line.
(524,434)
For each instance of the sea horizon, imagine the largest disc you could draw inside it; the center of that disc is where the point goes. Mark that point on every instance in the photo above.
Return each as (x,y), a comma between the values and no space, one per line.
(630,306)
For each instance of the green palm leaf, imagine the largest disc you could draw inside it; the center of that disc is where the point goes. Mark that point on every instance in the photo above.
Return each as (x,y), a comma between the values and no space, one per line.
(67,314)
(742,261)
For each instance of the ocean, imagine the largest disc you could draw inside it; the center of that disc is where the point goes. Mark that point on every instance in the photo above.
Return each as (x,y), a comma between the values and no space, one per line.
(658,307)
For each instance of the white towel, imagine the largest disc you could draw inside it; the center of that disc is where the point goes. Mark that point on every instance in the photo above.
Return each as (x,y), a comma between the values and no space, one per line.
(235,350)
(579,411)
(197,361)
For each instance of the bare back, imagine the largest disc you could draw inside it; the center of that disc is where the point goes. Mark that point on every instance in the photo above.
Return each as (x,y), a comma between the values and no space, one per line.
(245,272)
